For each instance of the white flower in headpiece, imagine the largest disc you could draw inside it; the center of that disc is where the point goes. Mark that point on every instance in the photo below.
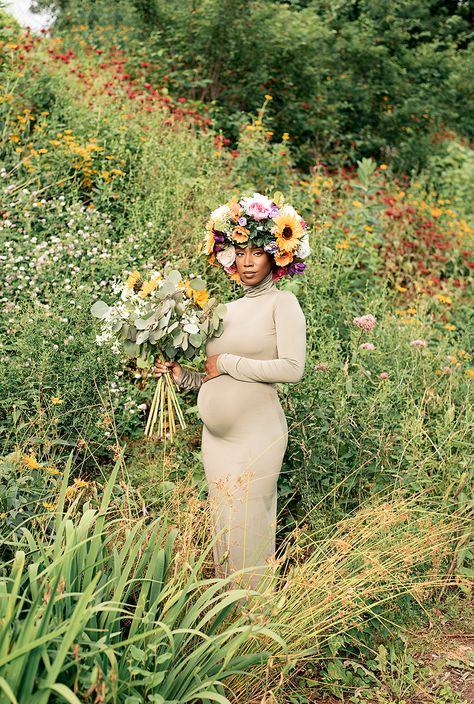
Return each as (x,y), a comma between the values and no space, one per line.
(221,213)
(226,256)
(303,248)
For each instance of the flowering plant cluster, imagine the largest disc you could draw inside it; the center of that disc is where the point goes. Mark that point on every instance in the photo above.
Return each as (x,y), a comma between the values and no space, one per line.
(259,222)
(163,316)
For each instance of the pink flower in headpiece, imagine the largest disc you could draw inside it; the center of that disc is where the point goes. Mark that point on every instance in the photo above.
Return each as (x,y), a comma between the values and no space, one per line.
(258,206)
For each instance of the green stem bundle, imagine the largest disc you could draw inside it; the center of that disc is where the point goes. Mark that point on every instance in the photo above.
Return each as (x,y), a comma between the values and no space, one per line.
(165,403)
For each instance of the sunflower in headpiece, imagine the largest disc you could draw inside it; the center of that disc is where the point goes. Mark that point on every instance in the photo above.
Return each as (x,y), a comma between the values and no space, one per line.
(288,229)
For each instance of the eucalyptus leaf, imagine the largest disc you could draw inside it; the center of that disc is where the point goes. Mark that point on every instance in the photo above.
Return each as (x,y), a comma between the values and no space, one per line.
(170,351)
(195,339)
(197,284)
(142,337)
(100,309)
(174,276)
(130,348)
(191,328)
(155,335)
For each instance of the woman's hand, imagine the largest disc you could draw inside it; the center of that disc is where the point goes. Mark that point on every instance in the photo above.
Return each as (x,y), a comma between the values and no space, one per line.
(163,367)
(210,367)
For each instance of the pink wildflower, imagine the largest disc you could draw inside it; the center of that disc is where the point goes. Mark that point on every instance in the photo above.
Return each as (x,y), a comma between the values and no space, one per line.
(322,366)
(366,322)
(383,375)
(418,343)
(367,346)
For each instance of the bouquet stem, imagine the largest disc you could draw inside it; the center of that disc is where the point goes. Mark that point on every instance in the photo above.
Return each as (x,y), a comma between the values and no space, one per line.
(165,403)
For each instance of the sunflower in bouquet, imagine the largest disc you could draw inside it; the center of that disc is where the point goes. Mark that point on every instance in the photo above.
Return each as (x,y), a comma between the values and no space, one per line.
(163,316)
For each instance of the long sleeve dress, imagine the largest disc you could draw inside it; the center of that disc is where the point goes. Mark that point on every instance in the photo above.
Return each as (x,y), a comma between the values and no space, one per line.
(245,433)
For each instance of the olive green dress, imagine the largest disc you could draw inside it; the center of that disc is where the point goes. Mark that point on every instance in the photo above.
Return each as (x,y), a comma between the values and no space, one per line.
(245,433)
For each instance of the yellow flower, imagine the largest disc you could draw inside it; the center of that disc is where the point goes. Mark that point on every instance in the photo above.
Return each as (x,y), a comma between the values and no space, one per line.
(148,287)
(132,279)
(200,297)
(449,326)
(240,234)
(382,167)
(357,204)
(283,258)
(288,229)
(401,289)
(343,245)
(52,470)
(443,299)
(56,400)
(72,488)
(268,97)
(50,506)
(470,373)
(285,136)
(30,462)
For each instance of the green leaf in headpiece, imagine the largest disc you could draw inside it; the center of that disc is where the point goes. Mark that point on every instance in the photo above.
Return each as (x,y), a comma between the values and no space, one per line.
(278,198)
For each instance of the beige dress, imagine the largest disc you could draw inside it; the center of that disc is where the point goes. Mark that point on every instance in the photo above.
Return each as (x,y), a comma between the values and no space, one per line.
(245,433)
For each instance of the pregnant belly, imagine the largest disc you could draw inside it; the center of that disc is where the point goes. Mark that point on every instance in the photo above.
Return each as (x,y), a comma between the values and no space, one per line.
(227,405)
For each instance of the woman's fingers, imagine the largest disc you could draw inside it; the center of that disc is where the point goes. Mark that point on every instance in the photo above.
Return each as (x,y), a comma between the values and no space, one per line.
(160,368)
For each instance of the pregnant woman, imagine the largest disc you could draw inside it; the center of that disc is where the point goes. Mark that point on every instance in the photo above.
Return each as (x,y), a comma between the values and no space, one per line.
(245,433)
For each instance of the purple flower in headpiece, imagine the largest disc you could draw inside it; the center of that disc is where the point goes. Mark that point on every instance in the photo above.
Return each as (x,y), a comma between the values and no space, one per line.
(300,267)
(219,238)
(273,211)
(242,221)
(271,247)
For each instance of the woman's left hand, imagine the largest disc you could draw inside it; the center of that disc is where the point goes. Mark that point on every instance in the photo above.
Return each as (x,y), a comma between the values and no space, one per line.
(210,367)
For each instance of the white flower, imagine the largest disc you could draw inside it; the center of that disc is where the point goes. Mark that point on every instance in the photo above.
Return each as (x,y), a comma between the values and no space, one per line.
(226,256)
(303,248)
(221,213)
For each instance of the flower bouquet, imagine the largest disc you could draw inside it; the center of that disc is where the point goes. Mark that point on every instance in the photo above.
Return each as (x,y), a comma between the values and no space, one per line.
(162,316)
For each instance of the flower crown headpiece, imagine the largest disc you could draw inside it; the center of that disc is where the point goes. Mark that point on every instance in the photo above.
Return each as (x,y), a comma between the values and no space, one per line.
(259,222)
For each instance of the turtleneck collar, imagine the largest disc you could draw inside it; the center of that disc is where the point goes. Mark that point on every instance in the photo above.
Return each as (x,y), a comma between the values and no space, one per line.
(265,284)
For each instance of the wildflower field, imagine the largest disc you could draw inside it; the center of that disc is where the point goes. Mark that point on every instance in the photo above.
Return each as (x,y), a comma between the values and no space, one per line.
(110,164)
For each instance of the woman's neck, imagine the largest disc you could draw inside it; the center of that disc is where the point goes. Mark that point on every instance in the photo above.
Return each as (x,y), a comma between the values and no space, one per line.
(266,284)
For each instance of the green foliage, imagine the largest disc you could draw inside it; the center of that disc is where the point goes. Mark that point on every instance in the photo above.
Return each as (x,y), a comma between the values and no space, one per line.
(348,80)
(94,607)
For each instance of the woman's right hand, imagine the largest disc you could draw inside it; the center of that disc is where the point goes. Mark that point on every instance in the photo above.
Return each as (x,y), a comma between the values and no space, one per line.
(163,367)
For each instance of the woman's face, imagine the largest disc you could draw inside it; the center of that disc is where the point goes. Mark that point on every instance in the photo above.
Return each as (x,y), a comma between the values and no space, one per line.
(252,263)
